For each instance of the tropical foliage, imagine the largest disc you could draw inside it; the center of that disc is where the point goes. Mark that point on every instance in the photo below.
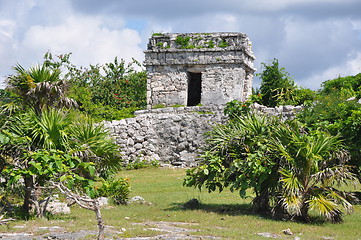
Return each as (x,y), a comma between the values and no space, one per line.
(55,130)
(111,91)
(41,142)
(278,88)
(292,172)
(39,88)
(338,111)
(313,167)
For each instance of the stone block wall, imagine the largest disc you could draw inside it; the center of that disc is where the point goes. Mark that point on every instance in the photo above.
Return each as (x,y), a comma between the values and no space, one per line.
(174,135)
(169,135)
(286,112)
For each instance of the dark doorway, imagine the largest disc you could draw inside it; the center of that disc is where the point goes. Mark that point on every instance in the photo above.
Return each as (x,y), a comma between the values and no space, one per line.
(194,88)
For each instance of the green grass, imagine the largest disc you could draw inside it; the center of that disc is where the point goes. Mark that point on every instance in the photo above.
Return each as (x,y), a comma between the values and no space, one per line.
(224,215)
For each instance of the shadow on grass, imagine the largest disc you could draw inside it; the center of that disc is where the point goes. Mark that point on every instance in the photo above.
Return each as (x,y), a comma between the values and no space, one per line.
(17,212)
(237,210)
(222,209)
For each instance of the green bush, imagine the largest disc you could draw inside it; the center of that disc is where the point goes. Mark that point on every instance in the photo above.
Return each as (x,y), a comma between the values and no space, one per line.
(138,164)
(107,92)
(118,190)
(291,172)
(333,112)
(352,83)
(278,88)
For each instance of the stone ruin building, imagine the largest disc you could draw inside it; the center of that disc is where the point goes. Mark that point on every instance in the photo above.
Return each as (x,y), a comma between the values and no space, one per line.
(192,69)
(186,70)
(192,76)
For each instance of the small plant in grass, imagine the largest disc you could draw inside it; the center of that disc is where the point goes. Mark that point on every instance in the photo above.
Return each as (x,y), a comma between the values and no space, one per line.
(116,189)
(138,164)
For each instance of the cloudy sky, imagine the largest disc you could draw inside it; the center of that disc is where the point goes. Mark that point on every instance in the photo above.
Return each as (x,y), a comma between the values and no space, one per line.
(315,40)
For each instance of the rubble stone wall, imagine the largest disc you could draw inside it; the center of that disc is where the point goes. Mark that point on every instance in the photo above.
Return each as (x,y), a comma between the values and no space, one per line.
(174,135)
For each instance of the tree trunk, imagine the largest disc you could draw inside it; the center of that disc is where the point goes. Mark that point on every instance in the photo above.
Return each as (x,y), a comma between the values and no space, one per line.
(99,219)
(29,184)
(304,212)
(261,202)
(84,202)
(278,211)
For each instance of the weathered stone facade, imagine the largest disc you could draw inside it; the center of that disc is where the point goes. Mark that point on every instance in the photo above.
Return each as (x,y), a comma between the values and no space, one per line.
(169,135)
(174,135)
(198,68)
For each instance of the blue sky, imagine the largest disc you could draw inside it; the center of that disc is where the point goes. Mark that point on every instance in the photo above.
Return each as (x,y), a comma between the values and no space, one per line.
(315,40)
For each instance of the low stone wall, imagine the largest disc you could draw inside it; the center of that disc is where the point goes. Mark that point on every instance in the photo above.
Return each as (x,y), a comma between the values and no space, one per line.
(286,112)
(174,135)
(170,135)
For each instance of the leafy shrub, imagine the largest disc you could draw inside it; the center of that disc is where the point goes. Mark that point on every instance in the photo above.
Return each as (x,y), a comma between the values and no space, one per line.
(278,88)
(118,190)
(291,172)
(333,111)
(138,164)
(237,108)
(352,83)
(107,92)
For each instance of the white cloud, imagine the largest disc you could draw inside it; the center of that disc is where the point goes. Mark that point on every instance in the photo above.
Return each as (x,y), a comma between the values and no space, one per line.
(350,67)
(86,38)
(6,29)
(89,39)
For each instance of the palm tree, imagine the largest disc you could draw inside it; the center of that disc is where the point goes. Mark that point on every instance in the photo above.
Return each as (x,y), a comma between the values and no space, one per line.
(92,142)
(313,166)
(54,129)
(40,87)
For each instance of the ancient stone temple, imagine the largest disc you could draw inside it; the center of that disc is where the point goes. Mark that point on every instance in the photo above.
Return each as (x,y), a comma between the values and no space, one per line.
(192,69)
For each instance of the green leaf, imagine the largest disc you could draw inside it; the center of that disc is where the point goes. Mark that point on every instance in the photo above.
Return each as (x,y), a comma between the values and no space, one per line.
(91,170)
(59,164)
(242,193)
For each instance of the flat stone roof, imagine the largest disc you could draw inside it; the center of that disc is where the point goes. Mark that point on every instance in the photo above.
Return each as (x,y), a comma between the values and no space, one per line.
(199,49)
(200,42)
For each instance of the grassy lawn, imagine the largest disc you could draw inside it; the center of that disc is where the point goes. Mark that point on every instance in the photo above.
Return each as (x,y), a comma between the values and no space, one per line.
(223,215)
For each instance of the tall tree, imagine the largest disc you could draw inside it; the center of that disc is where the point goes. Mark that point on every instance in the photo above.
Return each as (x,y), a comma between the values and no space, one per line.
(277,87)
(39,87)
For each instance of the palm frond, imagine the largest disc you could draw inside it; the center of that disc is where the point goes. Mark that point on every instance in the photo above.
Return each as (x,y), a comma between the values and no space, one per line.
(325,207)
(341,198)
(292,204)
(91,142)
(290,182)
(336,175)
